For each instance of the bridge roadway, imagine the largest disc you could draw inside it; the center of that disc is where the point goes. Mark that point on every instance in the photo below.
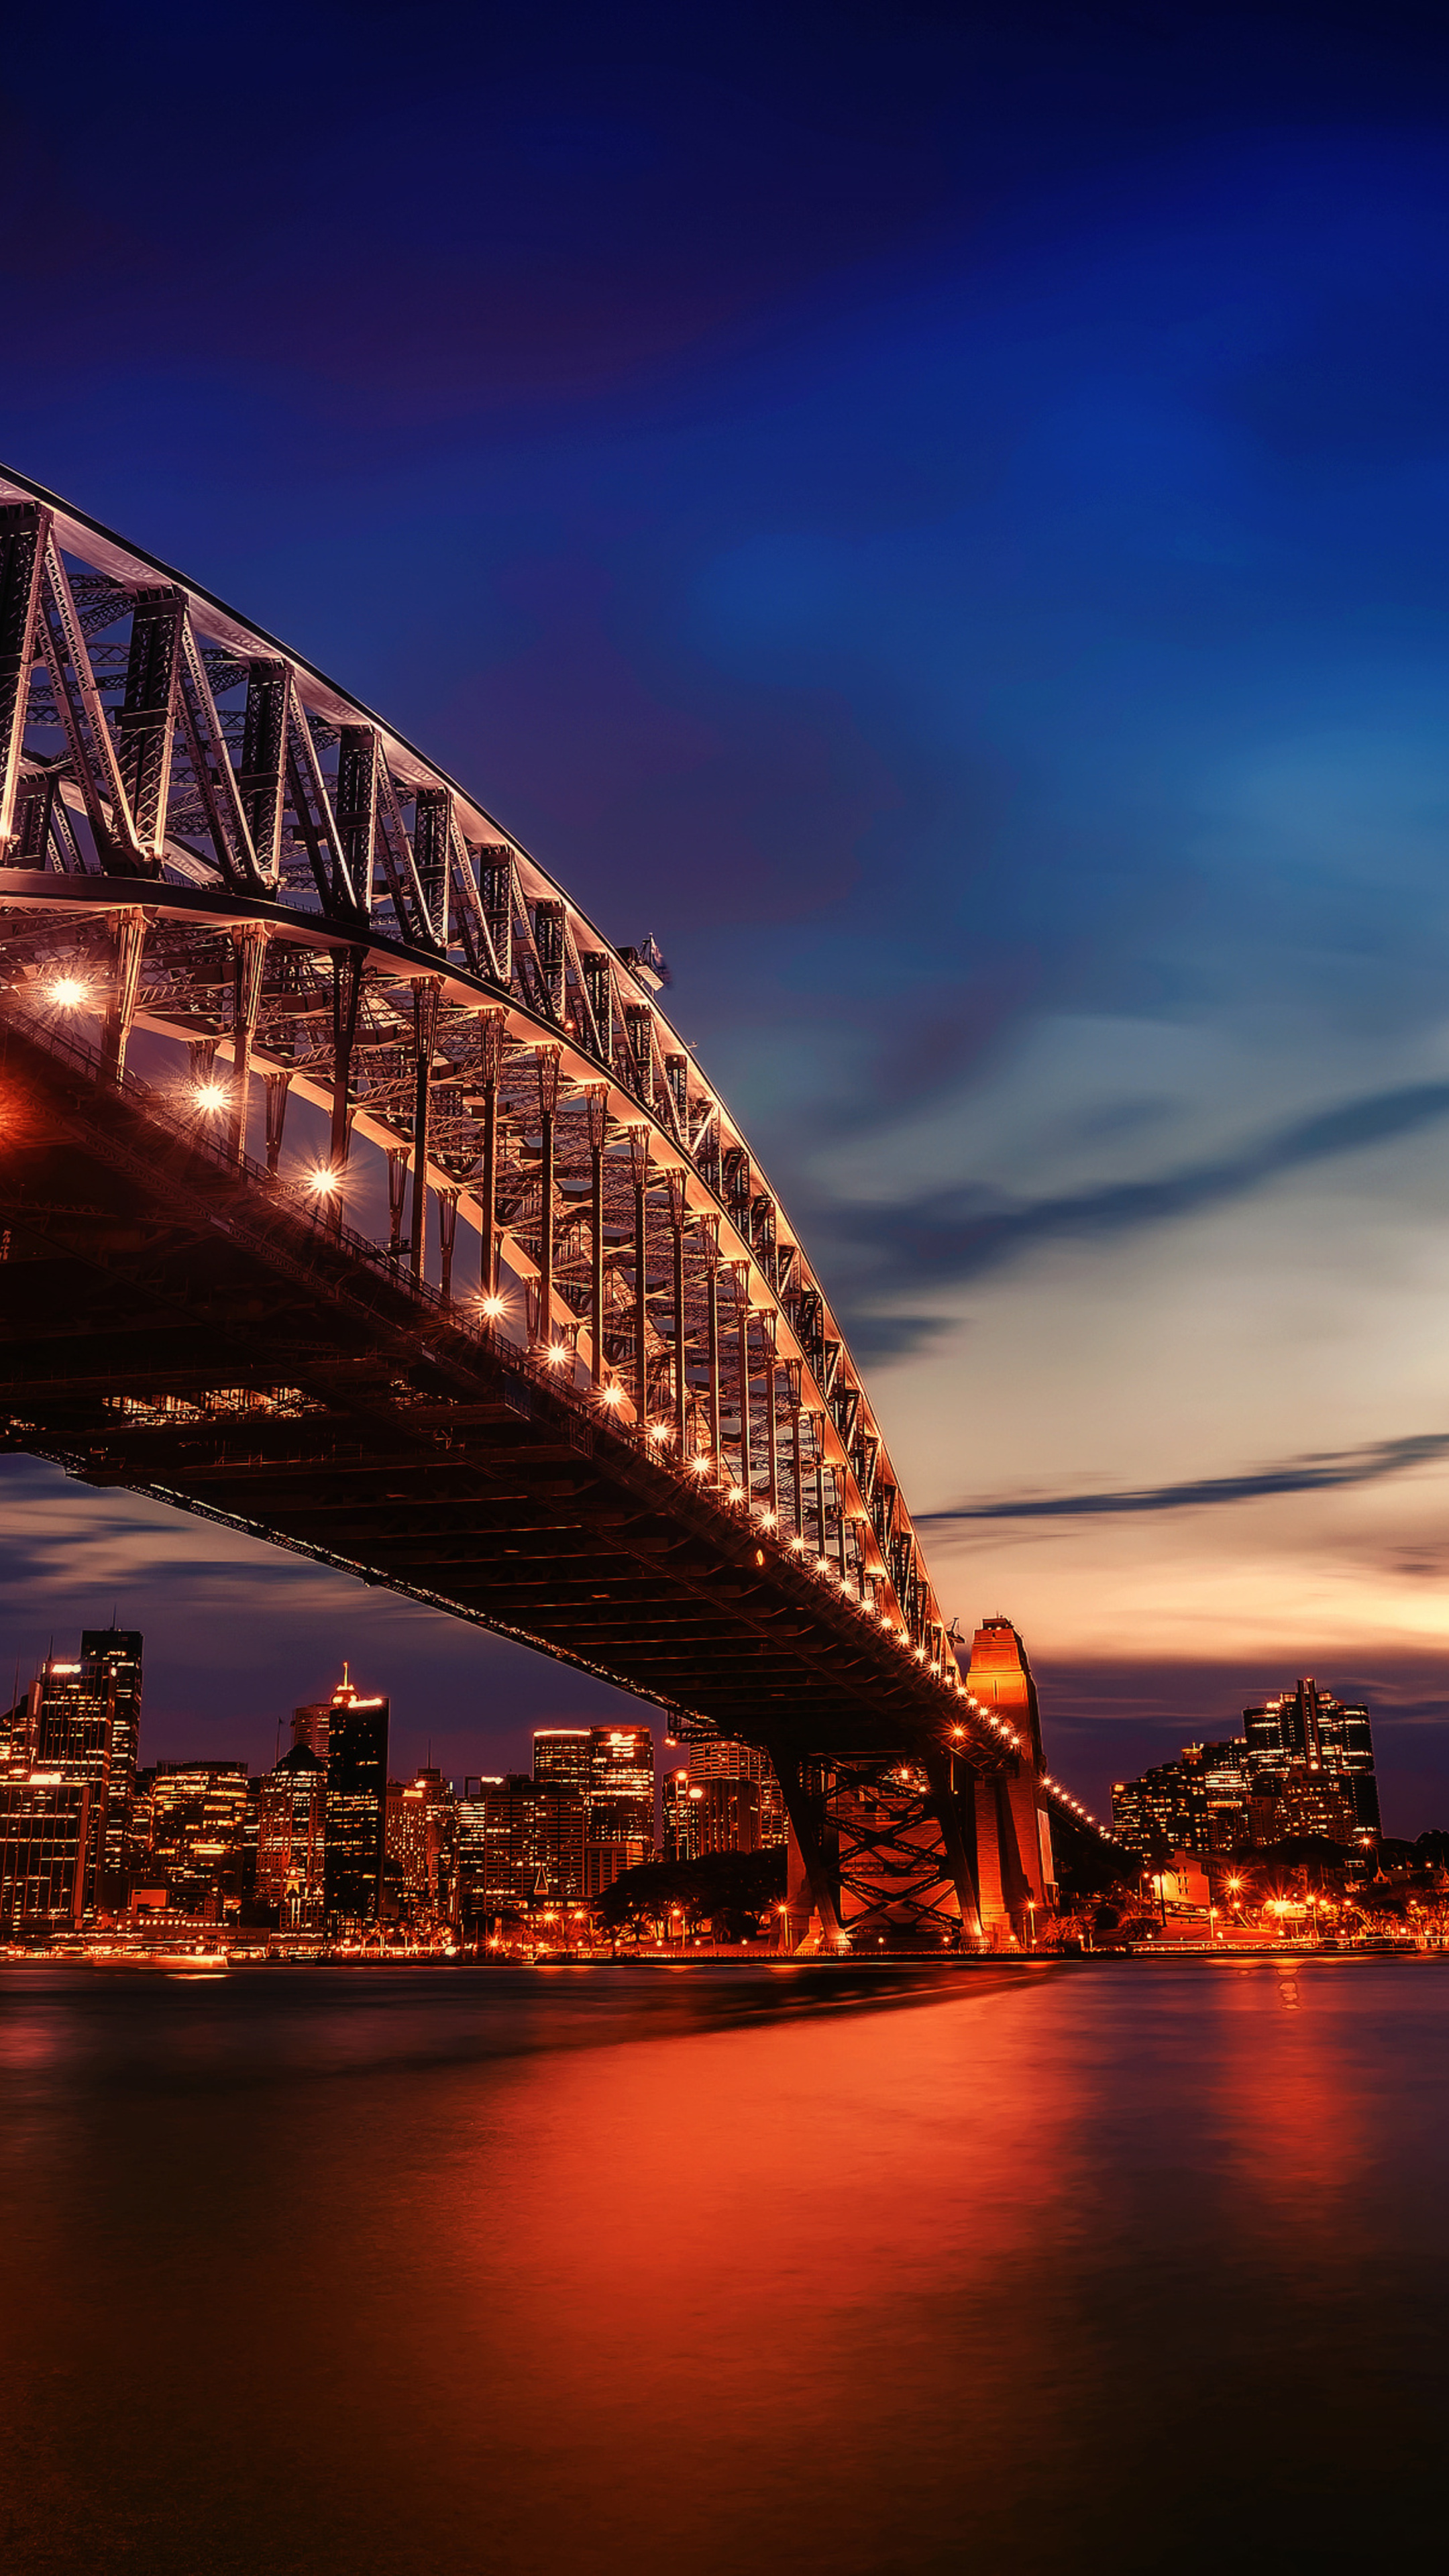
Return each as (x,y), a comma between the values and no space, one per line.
(634,1436)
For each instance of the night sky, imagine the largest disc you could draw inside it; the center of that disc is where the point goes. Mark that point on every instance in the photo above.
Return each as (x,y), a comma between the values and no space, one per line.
(942,517)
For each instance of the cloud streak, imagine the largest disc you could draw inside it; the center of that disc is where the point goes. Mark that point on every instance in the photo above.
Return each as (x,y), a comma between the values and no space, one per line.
(1331,1470)
(956,1235)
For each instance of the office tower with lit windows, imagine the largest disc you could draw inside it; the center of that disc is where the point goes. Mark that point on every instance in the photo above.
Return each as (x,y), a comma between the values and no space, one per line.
(1304,1765)
(198,1834)
(495,1842)
(421,1842)
(356,1805)
(621,1785)
(682,1804)
(68,1785)
(563,1758)
(742,1809)
(1306,1735)
(292,1837)
(111,1667)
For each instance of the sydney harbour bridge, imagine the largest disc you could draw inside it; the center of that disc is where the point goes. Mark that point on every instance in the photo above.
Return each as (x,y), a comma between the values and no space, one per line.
(357,1192)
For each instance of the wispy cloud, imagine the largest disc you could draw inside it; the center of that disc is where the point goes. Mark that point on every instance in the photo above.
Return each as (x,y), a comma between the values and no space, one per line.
(1313,1474)
(955,1235)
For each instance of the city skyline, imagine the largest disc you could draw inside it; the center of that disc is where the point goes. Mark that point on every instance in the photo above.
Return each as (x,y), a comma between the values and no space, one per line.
(1039,538)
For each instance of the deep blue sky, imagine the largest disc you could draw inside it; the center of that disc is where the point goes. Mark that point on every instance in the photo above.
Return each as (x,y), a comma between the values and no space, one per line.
(943,522)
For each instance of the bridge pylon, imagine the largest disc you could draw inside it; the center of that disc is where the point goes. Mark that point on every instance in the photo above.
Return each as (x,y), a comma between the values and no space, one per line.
(929,1850)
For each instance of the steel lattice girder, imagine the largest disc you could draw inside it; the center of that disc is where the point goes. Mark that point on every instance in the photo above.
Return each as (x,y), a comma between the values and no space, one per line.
(202,837)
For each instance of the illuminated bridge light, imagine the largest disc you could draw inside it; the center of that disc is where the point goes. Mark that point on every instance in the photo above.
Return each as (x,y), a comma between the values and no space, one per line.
(67,992)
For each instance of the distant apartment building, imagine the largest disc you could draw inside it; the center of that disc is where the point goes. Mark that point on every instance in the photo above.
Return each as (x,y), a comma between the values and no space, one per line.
(1303,1765)
(741,1806)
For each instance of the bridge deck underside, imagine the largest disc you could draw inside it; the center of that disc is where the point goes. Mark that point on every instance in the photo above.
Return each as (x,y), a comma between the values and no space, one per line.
(168,1326)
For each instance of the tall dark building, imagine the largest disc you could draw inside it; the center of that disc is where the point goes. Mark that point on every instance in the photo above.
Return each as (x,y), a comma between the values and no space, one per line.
(356,1805)
(111,1664)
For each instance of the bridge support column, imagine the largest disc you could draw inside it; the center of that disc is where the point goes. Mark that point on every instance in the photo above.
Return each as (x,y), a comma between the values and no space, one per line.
(941,1774)
(250,947)
(398,1158)
(597,1097)
(547,1060)
(490,1068)
(447,1236)
(812,1884)
(425,1031)
(740,1274)
(678,1211)
(639,1168)
(797,1468)
(346,994)
(709,1230)
(817,1433)
(278,1086)
(130,939)
(1013,1898)
(768,1323)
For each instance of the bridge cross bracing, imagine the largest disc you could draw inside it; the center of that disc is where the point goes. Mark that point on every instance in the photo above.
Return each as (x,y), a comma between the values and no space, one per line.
(206,842)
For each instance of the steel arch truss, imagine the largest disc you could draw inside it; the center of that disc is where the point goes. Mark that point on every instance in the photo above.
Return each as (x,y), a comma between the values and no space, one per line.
(202,836)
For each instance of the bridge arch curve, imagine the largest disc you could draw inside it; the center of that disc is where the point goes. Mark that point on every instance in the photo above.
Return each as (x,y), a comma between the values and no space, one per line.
(204,838)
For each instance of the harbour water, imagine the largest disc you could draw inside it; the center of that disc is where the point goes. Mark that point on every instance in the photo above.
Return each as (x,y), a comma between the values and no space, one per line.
(1118,2267)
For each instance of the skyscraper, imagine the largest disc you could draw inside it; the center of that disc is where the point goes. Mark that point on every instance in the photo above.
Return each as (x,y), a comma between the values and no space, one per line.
(356,1805)
(563,1758)
(111,1667)
(71,1753)
(682,1804)
(198,1833)
(1308,1731)
(292,1836)
(621,1785)
(422,1843)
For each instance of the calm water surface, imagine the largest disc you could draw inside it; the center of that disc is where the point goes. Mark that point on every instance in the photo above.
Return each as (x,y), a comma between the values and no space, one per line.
(1105,2267)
